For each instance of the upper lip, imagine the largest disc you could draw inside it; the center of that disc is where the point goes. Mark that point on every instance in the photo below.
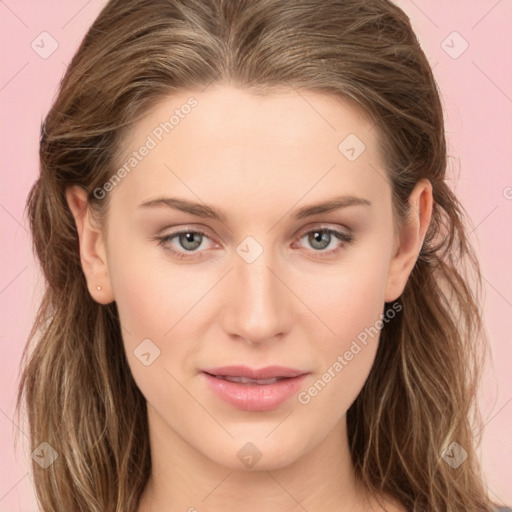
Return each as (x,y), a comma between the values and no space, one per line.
(268,372)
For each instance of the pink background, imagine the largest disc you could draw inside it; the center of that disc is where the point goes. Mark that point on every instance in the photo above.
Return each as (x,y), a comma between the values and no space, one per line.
(477,94)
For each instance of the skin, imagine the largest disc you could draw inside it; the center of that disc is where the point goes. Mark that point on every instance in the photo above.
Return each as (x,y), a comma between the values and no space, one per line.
(257,159)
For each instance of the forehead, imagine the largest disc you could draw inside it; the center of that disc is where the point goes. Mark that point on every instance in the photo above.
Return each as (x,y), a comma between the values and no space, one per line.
(235,144)
(226,114)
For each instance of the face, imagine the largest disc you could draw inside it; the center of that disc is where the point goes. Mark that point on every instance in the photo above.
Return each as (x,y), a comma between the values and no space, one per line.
(250,319)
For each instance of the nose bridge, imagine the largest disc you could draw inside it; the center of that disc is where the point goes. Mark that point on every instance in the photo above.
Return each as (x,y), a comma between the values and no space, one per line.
(258,303)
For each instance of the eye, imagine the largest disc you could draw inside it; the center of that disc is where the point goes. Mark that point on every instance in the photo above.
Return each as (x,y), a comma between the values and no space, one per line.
(321,238)
(188,241)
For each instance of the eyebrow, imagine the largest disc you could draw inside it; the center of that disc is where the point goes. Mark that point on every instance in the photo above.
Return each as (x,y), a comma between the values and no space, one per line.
(203,210)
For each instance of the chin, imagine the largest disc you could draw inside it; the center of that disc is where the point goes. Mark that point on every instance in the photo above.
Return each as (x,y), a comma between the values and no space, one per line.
(256,452)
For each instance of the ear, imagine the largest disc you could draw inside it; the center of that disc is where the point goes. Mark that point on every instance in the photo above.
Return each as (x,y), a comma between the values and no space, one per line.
(410,239)
(91,245)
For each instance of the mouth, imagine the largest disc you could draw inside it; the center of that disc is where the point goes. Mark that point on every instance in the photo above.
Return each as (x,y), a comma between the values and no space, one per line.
(261,374)
(254,389)
(246,380)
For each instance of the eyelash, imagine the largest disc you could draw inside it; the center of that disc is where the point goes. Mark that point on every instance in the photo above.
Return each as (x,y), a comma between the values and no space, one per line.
(340,235)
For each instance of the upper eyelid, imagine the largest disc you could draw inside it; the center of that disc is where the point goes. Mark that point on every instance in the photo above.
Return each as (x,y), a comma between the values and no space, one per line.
(323,227)
(297,236)
(300,233)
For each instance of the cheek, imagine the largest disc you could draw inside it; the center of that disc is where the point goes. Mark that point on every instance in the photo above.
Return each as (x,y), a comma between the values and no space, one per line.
(152,301)
(160,301)
(349,299)
(151,293)
(351,303)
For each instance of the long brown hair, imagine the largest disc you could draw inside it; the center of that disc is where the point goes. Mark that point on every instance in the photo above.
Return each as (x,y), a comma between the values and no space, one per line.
(76,383)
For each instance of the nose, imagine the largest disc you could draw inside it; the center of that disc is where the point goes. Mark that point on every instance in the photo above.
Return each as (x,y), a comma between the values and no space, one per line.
(259,304)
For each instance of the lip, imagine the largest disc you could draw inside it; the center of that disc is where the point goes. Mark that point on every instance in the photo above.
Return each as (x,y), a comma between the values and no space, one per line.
(254,397)
(268,372)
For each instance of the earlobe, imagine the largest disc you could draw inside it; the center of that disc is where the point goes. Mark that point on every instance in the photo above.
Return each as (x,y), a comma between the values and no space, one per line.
(411,236)
(91,246)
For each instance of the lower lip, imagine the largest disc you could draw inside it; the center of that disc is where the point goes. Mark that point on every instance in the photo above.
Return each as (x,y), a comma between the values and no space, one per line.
(255,397)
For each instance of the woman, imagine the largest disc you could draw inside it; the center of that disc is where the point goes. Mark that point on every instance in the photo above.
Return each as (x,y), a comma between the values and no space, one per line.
(257,275)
